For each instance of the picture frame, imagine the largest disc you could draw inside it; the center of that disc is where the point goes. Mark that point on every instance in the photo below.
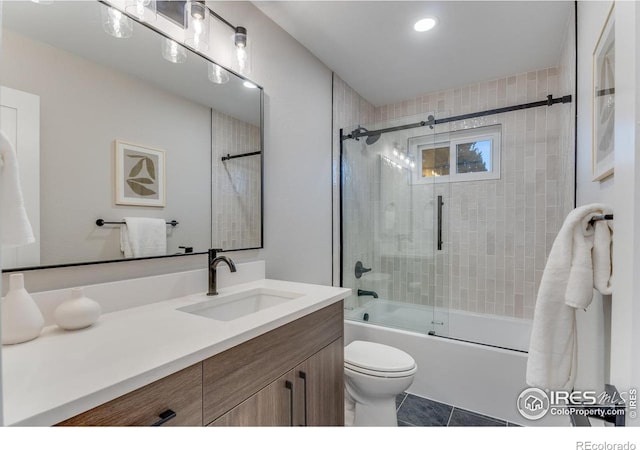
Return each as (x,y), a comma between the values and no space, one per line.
(140,178)
(603,101)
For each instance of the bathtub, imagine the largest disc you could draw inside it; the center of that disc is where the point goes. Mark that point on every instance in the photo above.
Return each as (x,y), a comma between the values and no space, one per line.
(499,331)
(486,379)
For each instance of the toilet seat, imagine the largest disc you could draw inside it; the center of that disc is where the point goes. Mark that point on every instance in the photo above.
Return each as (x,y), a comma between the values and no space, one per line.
(378,360)
(379,374)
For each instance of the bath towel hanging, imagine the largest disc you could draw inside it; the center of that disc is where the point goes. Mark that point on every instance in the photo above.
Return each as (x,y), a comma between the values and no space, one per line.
(15,226)
(580,260)
(143,236)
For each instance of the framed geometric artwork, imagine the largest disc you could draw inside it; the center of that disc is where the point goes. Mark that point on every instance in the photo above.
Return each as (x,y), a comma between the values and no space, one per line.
(139,175)
(603,105)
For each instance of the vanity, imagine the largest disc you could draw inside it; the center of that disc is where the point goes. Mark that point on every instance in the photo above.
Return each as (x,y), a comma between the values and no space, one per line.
(262,352)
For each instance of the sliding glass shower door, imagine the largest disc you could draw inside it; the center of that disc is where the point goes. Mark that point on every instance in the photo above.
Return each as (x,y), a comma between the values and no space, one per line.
(394,225)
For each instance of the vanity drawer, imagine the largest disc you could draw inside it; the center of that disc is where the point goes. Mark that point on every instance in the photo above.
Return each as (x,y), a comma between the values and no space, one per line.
(180,393)
(234,375)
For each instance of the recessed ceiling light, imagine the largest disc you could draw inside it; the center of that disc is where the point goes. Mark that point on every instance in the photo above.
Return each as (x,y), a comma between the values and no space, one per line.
(425,24)
(249,84)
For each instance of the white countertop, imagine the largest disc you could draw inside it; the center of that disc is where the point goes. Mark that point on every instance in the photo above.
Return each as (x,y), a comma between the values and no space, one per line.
(63,373)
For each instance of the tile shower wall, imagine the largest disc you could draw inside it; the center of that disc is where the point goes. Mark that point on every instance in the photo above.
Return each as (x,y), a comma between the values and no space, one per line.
(236,184)
(567,84)
(350,109)
(497,233)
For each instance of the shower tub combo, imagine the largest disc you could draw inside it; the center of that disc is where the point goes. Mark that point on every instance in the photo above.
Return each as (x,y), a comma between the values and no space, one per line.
(429,214)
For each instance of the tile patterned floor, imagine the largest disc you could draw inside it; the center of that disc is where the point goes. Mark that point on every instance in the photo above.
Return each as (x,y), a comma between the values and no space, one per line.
(414,411)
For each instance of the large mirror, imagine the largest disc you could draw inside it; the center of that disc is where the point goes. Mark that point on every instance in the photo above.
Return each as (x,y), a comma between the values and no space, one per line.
(107,128)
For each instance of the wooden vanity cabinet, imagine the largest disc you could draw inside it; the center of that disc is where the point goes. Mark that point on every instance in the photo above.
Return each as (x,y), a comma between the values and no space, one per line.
(312,394)
(320,383)
(272,406)
(179,393)
(307,352)
(290,376)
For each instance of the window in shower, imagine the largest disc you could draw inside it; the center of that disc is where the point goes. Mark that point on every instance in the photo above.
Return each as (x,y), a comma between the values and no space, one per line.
(435,161)
(467,155)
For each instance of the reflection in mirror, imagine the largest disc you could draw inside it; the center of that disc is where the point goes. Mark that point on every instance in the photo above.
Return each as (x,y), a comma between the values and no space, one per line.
(108,128)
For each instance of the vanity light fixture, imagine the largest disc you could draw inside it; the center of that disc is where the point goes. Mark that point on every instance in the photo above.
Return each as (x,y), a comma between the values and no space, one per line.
(241,43)
(196,23)
(217,74)
(173,52)
(143,10)
(115,23)
(249,85)
(425,24)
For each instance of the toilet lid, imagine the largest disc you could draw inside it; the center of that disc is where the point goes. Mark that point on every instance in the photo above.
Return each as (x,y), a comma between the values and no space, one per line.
(377,357)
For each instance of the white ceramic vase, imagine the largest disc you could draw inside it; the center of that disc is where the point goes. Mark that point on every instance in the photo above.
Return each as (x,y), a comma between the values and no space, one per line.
(22,320)
(78,312)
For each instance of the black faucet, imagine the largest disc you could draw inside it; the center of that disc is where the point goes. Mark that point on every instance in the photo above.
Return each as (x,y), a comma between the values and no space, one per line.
(373,293)
(213,264)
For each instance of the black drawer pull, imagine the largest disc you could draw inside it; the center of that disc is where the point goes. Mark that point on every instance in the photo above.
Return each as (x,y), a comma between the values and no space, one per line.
(289,385)
(164,417)
(303,375)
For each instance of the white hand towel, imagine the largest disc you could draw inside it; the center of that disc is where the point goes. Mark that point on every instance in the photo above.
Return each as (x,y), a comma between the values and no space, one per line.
(567,283)
(14,223)
(602,256)
(143,236)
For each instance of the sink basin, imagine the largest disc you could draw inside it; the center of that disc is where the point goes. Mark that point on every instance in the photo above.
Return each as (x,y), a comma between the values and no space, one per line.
(240,304)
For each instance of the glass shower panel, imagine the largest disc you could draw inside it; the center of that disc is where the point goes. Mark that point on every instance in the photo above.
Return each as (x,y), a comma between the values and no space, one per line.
(390,226)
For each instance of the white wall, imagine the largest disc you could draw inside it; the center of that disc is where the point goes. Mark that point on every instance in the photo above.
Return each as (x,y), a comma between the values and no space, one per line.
(625,306)
(297,171)
(620,191)
(1,402)
(592,338)
(635,326)
(297,191)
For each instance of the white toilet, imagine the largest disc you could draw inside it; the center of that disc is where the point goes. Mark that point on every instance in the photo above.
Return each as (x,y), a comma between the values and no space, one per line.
(374,375)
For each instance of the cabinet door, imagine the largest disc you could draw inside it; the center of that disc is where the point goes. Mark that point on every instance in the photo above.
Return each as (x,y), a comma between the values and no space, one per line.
(236,374)
(271,406)
(320,388)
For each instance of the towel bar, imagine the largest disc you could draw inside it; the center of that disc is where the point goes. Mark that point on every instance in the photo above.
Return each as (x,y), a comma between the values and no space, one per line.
(101,222)
(228,157)
(601,217)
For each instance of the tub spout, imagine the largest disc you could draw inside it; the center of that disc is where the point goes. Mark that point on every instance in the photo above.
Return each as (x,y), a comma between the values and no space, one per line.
(372,293)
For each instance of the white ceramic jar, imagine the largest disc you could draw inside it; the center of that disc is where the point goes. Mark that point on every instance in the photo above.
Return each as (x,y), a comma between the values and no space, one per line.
(22,320)
(78,312)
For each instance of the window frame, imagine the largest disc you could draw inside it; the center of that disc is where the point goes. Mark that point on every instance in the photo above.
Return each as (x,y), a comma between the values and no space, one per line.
(452,139)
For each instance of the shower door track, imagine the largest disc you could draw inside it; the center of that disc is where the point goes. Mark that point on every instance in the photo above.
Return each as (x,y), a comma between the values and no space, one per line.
(431,120)
(433,334)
